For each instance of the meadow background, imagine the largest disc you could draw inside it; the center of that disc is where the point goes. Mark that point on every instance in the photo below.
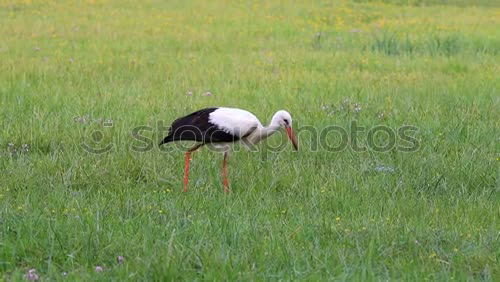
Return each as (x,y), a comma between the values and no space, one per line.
(69,69)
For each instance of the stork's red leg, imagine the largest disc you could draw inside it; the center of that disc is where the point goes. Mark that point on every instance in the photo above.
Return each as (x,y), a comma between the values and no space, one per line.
(187,160)
(225,181)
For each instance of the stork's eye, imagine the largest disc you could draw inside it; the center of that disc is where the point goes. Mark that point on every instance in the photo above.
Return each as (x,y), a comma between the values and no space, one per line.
(286,121)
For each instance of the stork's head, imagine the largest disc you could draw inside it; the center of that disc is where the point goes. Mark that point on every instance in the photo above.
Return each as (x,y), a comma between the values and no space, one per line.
(284,119)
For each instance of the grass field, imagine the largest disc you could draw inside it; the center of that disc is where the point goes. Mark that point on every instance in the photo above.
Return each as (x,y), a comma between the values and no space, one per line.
(70,70)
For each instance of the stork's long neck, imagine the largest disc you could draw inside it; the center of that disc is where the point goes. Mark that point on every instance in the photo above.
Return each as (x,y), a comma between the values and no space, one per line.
(269,130)
(266,131)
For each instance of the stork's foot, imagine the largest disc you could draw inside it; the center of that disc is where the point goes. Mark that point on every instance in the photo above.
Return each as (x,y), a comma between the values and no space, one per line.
(225,182)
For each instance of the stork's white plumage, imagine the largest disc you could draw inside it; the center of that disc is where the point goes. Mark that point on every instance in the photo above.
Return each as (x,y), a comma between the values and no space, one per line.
(221,127)
(236,122)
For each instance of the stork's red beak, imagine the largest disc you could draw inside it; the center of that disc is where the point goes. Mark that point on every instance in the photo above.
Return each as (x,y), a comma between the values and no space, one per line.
(292,138)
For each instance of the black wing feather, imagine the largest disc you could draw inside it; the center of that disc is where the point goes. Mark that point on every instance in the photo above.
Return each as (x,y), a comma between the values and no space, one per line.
(197,127)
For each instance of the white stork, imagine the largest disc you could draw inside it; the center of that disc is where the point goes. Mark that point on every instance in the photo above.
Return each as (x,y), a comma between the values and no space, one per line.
(221,127)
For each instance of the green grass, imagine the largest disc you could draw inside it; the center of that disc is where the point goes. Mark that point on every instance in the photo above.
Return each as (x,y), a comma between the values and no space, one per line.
(66,68)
